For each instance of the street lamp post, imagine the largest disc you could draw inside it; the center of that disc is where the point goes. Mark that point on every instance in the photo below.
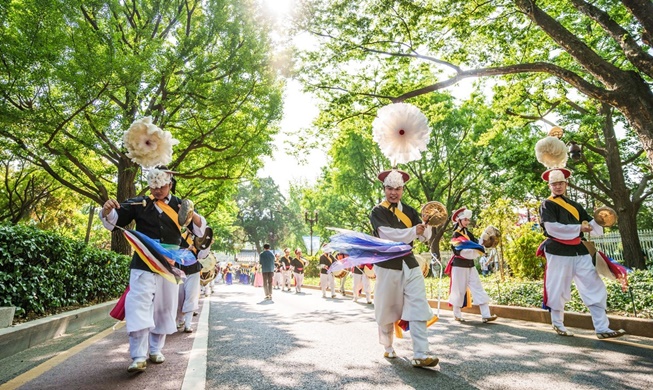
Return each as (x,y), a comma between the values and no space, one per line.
(311,221)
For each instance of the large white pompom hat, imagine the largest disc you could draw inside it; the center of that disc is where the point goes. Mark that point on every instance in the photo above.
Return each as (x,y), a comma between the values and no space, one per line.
(551,152)
(148,145)
(402,132)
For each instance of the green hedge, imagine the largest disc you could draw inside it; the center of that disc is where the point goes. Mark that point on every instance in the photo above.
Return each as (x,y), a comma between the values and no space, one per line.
(42,272)
(514,292)
(529,294)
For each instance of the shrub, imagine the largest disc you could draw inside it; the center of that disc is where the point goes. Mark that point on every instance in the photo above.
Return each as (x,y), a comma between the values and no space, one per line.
(520,255)
(42,272)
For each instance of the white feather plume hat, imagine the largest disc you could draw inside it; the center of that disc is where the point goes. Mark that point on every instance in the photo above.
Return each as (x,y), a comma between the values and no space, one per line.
(402,132)
(393,178)
(551,152)
(148,145)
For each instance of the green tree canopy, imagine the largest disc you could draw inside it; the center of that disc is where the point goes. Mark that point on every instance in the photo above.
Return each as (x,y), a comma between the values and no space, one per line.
(75,74)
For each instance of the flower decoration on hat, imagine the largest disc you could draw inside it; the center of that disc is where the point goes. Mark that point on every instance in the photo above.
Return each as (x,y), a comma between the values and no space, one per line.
(148,145)
(551,152)
(401,131)
(157,178)
(394,178)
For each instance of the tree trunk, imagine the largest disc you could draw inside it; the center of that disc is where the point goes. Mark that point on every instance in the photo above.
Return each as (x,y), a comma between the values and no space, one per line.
(625,207)
(127,172)
(434,246)
(633,255)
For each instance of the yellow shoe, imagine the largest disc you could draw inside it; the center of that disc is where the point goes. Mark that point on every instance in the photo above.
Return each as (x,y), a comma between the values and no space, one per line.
(561,332)
(429,361)
(611,335)
(491,318)
(390,355)
(157,358)
(137,366)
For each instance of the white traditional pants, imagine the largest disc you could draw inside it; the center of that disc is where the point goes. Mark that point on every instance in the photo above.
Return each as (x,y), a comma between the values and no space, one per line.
(361,281)
(278,279)
(189,299)
(560,272)
(327,280)
(400,294)
(286,279)
(461,279)
(299,281)
(150,309)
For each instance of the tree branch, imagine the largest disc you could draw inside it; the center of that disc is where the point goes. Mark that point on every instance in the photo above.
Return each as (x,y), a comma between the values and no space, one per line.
(638,57)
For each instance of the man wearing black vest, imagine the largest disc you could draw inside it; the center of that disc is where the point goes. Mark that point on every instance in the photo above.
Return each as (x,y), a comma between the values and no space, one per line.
(326,278)
(151,303)
(284,262)
(400,292)
(564,222)
(297,264)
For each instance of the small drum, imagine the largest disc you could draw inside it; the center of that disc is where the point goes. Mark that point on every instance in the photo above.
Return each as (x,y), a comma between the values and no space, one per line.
(207,274)
(369,272)
(491,237)
(341,274)
(207,277)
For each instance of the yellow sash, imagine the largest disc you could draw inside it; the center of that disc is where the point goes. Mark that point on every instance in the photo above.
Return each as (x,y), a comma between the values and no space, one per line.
(400,214)
(460,231)
(561,202)
(170,212)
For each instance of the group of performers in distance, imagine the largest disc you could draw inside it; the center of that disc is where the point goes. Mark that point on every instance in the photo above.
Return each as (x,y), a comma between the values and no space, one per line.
(279,271)
(156,306)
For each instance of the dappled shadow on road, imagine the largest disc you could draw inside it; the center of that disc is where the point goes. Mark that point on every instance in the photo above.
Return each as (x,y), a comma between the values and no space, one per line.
(249,349)
(502,356)
(325,345)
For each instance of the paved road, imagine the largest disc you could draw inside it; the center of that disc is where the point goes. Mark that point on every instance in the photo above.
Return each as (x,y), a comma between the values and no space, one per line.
(302,341)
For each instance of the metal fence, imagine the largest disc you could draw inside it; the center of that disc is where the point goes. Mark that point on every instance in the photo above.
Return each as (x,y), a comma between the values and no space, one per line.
(610,244)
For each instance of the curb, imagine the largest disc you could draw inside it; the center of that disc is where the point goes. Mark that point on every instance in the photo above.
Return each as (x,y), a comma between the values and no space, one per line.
(633,326)
(18,338)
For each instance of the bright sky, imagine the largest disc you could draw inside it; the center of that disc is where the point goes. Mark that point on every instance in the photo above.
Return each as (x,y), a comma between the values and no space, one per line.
(299,111)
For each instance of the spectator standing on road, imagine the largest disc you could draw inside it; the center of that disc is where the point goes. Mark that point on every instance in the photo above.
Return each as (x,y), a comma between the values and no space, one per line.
(400,292)
(266,262)
(151,303)
(484,263)
(258,276)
